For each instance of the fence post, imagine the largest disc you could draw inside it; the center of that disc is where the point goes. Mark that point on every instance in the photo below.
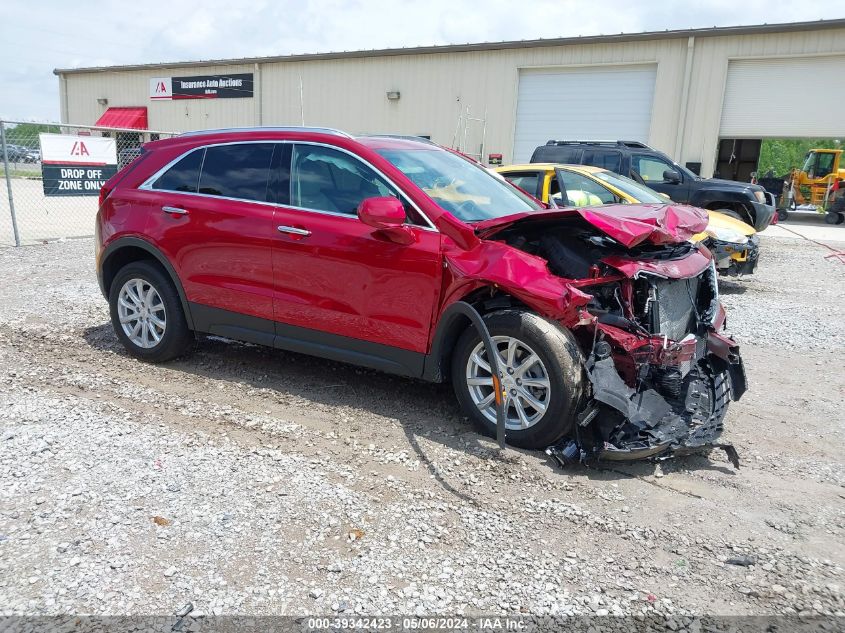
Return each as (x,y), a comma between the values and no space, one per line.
(9,184)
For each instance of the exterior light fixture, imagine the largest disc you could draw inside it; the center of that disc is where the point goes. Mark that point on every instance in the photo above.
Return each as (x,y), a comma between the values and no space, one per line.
(103,101)
(393,95)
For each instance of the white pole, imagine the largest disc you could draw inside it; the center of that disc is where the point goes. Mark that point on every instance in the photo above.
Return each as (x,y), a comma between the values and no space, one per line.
(301,102)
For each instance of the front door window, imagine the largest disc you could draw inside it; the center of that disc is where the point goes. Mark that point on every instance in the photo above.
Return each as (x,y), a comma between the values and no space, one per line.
(651,168)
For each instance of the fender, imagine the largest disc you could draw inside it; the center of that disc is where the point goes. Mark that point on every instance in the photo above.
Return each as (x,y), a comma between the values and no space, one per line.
(136,242)
(706,198)
(452,322)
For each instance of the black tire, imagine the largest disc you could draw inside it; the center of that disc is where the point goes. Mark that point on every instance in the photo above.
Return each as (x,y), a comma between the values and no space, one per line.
(831,217)
(176,338)
(783,215)
(561,357)
(731,213)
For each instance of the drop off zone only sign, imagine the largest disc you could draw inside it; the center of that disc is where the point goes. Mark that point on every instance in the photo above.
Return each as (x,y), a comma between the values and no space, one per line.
(76,165)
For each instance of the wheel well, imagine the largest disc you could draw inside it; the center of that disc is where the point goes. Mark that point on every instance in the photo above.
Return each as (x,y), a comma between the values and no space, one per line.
(484,300)
(129,253)
(736,207)
(120,258)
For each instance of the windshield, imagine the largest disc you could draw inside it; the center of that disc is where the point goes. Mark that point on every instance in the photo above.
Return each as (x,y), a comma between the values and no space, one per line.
(808,162)
(639,192)
(462,188)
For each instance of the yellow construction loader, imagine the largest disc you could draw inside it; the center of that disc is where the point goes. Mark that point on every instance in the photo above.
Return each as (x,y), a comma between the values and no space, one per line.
(820,182)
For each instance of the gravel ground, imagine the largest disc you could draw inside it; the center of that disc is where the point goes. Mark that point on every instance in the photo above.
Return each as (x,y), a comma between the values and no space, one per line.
(250,481)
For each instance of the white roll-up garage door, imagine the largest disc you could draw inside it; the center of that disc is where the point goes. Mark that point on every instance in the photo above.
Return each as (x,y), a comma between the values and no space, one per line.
(784,97)
(585,103)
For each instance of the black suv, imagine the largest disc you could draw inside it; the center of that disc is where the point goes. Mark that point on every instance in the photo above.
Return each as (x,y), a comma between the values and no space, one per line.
(636,160)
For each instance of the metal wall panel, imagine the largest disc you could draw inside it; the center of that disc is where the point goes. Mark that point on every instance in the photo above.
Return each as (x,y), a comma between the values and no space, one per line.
(573,104)
(700,135)
(132,88)
(749,111)
(350,93)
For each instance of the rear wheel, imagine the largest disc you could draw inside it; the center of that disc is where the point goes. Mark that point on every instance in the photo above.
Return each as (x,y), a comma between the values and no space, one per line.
(541,375)
(783,214)
(147,314)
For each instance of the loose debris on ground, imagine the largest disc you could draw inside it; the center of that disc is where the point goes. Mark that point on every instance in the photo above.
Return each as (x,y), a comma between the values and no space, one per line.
(251,481)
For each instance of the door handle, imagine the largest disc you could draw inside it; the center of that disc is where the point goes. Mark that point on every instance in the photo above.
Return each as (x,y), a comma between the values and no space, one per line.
(174,210)
(292,230)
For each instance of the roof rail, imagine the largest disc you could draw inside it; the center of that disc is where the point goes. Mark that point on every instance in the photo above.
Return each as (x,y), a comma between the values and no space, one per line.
(637,144)
(403,137)
(300,128)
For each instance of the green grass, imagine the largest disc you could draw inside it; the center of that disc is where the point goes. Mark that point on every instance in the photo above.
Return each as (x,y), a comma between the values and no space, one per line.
(21,171)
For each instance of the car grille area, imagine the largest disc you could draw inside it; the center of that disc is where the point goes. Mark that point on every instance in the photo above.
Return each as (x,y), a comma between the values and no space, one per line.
(675,316)
(672,307)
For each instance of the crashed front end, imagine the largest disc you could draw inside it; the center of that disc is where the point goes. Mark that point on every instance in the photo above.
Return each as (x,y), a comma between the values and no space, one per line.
(661,375)
(735,259)
(660,371)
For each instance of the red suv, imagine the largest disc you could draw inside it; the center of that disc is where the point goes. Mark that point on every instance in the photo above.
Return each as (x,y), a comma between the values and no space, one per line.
(607,321)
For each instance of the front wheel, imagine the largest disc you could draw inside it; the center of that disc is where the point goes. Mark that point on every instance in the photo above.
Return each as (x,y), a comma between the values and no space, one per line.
(541,375)
(733,214)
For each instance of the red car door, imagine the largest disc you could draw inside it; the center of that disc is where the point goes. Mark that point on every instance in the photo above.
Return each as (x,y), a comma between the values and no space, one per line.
(216,227)
(336,275)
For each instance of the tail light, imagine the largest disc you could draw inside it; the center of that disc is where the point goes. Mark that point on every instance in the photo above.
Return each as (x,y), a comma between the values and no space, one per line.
(105,190)
(128,160)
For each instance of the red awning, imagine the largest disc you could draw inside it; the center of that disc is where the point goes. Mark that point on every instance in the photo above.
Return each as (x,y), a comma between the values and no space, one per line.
(134,118)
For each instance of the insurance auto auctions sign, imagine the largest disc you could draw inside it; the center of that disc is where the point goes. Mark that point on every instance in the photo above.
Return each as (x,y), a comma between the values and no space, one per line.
(76,165)
(201,87)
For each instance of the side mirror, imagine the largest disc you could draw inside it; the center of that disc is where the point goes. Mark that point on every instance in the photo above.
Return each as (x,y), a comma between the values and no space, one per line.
(671,176)
(381,213)
(386,215)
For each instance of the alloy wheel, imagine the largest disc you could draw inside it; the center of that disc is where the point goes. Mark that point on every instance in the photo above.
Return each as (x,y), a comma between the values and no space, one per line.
(141,313)
(524,379)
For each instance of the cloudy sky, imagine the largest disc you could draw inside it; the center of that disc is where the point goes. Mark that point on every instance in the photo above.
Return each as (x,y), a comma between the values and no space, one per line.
(37,36)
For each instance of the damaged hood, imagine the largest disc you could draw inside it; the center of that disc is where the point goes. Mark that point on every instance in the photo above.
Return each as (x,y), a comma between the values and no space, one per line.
(628,224)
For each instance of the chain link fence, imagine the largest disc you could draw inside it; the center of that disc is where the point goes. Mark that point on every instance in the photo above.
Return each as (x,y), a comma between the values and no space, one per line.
(52,173)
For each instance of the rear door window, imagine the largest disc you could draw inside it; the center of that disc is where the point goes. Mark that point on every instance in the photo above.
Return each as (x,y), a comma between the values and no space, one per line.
(527,181)
(237,171)
(184,175)
(606,159)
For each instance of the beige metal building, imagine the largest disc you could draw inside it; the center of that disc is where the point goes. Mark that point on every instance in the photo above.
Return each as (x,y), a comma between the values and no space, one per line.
(680,91)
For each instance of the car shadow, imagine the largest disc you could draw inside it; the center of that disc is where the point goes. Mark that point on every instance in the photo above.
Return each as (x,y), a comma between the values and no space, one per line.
(422,409)
(727,287)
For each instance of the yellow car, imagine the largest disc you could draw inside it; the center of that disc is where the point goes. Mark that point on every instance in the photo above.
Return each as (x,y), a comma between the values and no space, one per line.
(734,244)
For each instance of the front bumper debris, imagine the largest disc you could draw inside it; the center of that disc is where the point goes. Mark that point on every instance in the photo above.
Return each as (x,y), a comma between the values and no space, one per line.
(763,214)
(734,259)
(677,408)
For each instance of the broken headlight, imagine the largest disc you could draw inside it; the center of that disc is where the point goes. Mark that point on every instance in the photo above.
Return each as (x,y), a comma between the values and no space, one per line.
(712,313)
(726,234)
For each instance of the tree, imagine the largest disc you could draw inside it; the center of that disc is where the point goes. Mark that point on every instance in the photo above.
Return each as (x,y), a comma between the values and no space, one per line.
(781,155)
(26,134)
